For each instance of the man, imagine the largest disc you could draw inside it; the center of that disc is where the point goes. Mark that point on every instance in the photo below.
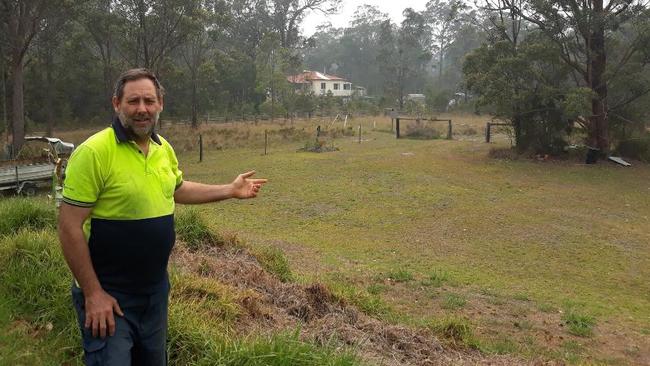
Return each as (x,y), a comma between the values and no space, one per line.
(116,226)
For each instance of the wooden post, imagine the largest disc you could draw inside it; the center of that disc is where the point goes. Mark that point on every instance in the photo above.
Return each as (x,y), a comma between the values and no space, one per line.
(397,127)
(200,148)
(487,132)
(266,140)
(392,121)
(359,133)
(449,131)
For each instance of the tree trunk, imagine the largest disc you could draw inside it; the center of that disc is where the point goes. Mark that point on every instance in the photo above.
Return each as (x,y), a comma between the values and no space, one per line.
(598,134)
(49,94)
(195,121)
(17,104)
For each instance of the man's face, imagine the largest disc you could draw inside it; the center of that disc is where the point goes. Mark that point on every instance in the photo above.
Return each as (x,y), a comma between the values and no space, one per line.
(139,108)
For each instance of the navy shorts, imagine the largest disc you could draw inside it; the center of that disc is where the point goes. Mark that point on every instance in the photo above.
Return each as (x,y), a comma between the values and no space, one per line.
(140,335)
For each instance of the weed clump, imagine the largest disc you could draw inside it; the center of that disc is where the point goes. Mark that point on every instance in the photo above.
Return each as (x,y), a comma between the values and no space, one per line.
(579,324)
(19,213)
(318,146)
(401,275)
(419,131)
(453,302)
(195,232)
(273,260)
(459,331)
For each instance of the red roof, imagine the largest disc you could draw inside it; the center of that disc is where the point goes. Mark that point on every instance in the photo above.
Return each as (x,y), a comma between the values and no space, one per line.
(309,76)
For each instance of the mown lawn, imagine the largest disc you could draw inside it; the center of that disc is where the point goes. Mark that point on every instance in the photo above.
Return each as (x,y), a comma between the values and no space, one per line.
(550,236)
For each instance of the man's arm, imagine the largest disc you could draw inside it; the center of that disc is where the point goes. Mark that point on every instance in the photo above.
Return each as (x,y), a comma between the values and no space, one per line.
(242,187)
(98,304)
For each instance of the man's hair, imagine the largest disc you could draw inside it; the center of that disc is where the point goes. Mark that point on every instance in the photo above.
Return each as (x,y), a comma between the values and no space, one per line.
(137,74)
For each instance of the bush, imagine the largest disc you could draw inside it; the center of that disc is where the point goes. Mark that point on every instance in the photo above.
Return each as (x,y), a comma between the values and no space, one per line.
(419,131)
(635,148)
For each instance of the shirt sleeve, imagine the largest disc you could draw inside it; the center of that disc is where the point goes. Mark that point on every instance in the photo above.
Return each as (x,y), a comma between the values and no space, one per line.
(83,181)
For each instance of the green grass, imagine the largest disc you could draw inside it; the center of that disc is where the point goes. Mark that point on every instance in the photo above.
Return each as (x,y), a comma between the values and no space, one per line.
(401,275)
(17,213)
(38,324)
(457,330)
(453,301)
(273,260)
(436,278)
(578,323)
(192,228)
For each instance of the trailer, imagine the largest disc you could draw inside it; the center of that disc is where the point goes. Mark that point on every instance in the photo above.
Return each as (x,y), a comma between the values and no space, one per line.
(40,163)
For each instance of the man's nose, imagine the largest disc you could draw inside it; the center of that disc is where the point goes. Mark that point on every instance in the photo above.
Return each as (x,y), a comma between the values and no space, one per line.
(141,108)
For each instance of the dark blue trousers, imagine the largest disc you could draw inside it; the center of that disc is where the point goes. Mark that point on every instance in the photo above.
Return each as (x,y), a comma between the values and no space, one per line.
(140,335)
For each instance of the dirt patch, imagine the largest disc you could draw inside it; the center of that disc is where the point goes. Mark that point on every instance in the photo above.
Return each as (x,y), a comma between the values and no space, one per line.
(321,316)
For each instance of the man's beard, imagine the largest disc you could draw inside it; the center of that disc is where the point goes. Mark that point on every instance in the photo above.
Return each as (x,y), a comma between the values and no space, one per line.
(138,133)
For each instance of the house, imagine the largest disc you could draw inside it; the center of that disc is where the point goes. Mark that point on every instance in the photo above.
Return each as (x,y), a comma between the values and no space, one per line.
(320,83)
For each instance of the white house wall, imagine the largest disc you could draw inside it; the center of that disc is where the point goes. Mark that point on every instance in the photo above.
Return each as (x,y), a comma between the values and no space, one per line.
(329,86)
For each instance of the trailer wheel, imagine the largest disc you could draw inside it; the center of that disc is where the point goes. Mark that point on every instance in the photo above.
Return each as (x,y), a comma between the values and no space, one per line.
(28,189)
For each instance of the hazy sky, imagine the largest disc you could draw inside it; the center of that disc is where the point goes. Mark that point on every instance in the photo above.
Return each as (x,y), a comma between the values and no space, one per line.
(393,8)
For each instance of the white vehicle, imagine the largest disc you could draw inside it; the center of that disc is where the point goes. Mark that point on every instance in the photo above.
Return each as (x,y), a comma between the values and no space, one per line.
(39,163)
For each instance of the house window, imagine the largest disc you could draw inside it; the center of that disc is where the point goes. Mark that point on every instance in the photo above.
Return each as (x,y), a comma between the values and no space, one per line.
(336,86)
(346,86)
(322,86)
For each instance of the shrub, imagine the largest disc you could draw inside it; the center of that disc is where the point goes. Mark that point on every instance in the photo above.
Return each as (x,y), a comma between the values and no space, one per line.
(638,148)
(420,131)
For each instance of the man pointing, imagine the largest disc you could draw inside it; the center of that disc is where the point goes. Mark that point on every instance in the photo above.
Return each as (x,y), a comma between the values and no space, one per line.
(116,226)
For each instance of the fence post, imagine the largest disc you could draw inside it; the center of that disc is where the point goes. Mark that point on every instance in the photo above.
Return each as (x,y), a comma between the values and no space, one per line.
(449,131)
(359,133)
(487,132)
(266,140)
(200,148)
(397,127)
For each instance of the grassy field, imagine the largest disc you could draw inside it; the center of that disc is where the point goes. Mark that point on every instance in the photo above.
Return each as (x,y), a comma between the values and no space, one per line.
(437,228)
(541,259)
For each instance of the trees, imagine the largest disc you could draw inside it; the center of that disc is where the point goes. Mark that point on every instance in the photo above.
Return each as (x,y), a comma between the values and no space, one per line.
(444,18)
(582,31)
(22,21)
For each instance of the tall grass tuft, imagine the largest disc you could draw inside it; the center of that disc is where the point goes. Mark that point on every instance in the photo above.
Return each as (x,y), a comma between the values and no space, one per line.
(35,289)
(578,323)
(273,260)
(18,213)
(192,228)
(458,331)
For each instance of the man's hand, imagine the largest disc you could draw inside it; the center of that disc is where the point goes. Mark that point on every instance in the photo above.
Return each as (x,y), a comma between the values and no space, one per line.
(99,313)
(244,187)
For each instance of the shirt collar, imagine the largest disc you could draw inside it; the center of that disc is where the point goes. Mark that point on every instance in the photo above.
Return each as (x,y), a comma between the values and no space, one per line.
(123,136)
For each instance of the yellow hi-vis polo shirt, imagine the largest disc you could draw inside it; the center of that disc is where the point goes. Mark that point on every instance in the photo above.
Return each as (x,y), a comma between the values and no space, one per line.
(130,230)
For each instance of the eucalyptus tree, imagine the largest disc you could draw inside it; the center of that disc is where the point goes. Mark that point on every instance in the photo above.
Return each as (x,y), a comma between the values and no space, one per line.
(154,29)
(583,31)
(444,17)
(403,56)
(288,14)
(22,21)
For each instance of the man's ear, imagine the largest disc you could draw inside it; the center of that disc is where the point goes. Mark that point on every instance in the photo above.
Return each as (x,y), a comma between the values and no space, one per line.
(116,104)
(162,103)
